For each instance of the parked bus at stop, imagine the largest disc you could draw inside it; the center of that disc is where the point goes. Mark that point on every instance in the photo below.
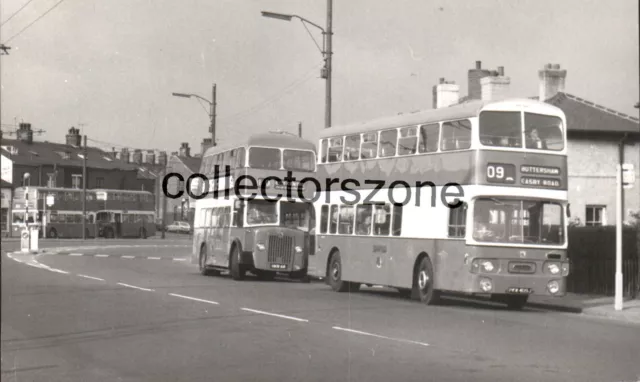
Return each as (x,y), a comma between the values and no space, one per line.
(124,213)
(506,239)
(264,232)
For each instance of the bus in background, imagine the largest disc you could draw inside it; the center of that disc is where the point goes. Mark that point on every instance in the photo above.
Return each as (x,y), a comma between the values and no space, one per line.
(507,238)
(258,232)
(61,217)
(59,212)
(124,213)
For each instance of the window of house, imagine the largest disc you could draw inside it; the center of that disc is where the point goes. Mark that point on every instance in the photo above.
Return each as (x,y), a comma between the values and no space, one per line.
(456,135)
(100,182)
(457,221)
(324,218)
(408,141)
(596,215)
(369,146)
(388,141)
(51,182)
(429,135)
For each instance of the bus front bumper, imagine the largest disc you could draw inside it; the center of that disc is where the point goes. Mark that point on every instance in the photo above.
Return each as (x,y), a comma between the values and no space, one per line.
(538,285)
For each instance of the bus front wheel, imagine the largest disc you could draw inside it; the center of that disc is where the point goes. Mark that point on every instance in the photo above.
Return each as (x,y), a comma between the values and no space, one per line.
(202,263)
(237,271)
(335,276)
(423,285)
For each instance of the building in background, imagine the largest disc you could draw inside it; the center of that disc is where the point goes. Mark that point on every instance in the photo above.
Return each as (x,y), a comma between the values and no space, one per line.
(184,163)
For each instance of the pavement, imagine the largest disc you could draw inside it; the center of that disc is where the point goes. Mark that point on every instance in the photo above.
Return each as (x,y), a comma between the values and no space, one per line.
(131,311)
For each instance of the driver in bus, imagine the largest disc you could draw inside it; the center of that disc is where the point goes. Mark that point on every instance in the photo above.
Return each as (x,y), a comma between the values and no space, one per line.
(534,141)
(482,229)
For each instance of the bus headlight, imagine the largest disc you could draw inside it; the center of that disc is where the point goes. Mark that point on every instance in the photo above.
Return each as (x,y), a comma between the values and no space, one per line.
(483,265)
(553,286)
(565,269)
(298,249)
(553,268)
(260,247)
(485,284)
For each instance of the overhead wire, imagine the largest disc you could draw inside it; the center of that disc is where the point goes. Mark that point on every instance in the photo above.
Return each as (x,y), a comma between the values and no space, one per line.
(33,22)
(15,13)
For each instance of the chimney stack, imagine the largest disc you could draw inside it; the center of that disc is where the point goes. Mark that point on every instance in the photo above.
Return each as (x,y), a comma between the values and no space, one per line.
(474,77)
(445,94)
(25,134)
(124,155)
(137,156)
(185,151)
(162,158)
(151,157)
(206,143)
(495,86)
(73,138)
(551,81)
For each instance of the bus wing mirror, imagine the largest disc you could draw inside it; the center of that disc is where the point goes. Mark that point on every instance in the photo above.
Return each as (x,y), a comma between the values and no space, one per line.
(569,210)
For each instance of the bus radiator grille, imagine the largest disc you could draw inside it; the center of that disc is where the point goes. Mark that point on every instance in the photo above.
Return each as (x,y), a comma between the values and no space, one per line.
(280,249)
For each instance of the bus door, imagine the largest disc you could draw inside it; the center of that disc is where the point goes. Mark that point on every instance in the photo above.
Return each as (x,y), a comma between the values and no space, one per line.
(225,233)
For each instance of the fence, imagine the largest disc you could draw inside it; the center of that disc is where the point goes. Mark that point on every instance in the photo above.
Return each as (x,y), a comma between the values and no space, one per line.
(592,251)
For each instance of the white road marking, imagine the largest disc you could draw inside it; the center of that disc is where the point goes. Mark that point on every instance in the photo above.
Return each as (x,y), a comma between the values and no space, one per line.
(90,277)
(76,254)
(379,336)
(102,255)
(153,258)
(193,298)
(58,271)
(179,259)
(127,257)
(135,287)
(275,315)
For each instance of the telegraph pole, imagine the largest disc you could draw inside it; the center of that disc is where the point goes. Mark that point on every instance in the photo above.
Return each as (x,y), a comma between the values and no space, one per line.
(328,54)
(212,130)
(164,200)
(84,189)
(300,129)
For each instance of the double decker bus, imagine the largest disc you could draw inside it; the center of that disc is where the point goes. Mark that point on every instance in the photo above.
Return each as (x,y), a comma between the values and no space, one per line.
(264,230)
(110,213)
(502,164)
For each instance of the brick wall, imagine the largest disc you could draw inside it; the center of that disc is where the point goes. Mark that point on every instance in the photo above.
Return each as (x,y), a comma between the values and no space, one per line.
(592,176)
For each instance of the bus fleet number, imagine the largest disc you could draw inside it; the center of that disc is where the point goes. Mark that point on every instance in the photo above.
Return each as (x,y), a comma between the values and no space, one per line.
(495,172)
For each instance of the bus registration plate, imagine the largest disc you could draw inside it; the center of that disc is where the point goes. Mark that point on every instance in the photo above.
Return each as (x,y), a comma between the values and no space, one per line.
(278,266)
(519,290)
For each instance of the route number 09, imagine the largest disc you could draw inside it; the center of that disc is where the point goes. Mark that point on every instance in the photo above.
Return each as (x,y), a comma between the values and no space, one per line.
(495,172)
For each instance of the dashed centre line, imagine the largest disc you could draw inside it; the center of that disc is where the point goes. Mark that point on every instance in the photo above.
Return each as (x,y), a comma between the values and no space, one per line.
(193,298)
(136,287)
(76,254)
(380,336)
(275,315)
(102,255)
(128,257)
(91,277)
(153,258)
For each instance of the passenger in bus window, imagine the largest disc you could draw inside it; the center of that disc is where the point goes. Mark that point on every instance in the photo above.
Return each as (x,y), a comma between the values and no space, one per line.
(534,141)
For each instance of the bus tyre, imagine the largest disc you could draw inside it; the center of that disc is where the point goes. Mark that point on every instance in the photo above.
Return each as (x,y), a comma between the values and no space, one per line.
(53,234)
(335,275)
(202,263)
(237,271)
(423,283)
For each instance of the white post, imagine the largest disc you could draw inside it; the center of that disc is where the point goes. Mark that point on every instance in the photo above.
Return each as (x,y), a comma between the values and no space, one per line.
(618,298)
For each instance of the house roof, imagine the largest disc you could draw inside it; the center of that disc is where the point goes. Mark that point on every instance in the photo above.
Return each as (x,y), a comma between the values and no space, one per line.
(48,153)
(192,163)
(586,116)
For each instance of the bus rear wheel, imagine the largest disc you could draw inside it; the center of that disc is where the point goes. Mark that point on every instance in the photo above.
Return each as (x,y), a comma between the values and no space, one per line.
(423,285)
(202,263)
(237,271)
(53,234)
(335,276)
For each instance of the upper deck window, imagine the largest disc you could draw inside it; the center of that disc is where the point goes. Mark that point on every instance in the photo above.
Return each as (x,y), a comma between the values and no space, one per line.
(429,135)
(369,148)
(456,135)
(352,147)
(408,141)
(501,128)
(335,149)
(388,141)
(264,157)
(543,132)
(299,160)
(240,158)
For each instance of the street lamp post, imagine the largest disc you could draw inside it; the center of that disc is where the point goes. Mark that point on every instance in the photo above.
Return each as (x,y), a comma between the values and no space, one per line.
(212,110)
(326,51)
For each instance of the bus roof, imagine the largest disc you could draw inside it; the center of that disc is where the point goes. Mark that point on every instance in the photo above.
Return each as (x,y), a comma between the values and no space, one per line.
(459,111)
(44,188)
(271,139)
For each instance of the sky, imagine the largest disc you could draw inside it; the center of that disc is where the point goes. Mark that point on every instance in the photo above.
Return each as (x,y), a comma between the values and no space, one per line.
(109,67)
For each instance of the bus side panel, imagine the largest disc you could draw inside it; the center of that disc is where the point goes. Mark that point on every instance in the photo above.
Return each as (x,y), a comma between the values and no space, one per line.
(450,271)
(318,261)
(364,259)
(403,256)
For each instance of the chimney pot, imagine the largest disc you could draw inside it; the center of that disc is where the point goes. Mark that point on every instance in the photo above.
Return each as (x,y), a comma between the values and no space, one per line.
(478,64)
(501,70)
(445,94)
(25,133)
(495,87)
(442,80)
(551,81)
